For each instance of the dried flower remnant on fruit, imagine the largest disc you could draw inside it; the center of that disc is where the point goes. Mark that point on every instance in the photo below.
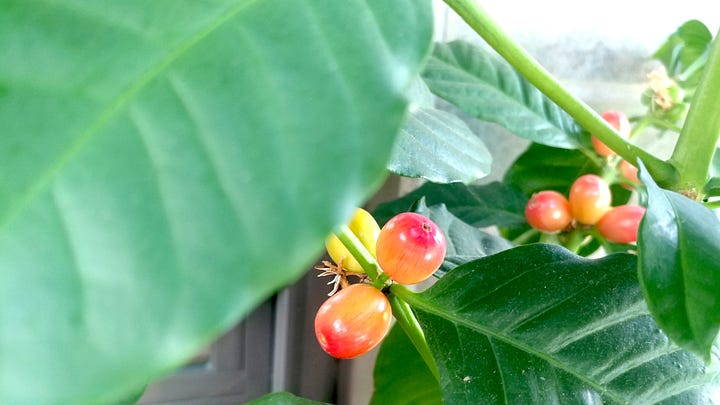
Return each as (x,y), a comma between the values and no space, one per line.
(339,275)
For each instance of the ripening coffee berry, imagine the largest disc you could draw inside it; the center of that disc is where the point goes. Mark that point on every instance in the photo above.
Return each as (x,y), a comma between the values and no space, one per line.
(589,199)
(620,224)
(353,321)
(364,226)
(629,171)
(617,120)
(548,211)
(410,248)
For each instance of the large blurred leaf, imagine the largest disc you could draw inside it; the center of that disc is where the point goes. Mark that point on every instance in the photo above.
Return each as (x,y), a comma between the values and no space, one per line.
(685,48)
(400,376)
(480,206)
(464,242)
(678,250)
(544,168)
(488,88)
(167,165)
(539,325)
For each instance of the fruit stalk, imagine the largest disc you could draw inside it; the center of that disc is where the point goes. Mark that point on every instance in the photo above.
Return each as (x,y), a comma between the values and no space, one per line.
(409,324)
(470,11)
(367,262)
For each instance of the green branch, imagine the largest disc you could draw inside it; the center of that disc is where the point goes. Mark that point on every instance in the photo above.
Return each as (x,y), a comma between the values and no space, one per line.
(363,257)
(409,324)
(481,22)
(699,137)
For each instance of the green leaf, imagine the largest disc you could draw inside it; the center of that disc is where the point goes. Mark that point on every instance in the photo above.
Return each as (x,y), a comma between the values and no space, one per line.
(480,206)
(537,324)
(401,376)
(488,88)
(464,242)
(678,247)
(283,398)
(167,165)
(544,168)
(440,147)
(684,48)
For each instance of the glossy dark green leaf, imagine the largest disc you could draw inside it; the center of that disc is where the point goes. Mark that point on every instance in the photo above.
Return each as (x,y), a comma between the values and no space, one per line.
(464,242)
(480,206)
(545,168)
(400,376)
(488,88)
(684,48)
(678,250)
(538,325)
(167,165)
(283,398)
(439,147)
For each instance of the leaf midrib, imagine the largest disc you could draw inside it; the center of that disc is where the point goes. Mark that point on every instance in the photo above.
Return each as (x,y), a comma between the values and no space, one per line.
(114,106)
(414,300)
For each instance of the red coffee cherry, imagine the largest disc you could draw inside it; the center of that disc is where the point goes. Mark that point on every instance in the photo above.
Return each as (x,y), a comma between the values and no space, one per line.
(620,224)
(617,120)
(410,248)
(353,321)
(589,199)
(548,211)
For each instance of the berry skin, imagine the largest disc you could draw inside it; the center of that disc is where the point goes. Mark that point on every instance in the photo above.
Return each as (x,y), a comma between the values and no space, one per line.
(364,226)
(620,224)
(410,248)
(548,211)
(353,321)
(629,171)
(617,120)
(589,199)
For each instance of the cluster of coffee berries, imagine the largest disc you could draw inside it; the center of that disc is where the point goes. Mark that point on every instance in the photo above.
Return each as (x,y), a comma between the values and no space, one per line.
(408,249)
(621,123)
(589,204)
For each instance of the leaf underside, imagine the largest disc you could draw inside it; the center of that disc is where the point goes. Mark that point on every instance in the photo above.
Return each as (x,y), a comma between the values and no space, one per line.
(488,88)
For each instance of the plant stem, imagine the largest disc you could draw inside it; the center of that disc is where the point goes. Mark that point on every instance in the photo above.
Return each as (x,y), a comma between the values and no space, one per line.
(699,137)
(575,240)
(409,324)
(484,25)
(366,260)
(525,236)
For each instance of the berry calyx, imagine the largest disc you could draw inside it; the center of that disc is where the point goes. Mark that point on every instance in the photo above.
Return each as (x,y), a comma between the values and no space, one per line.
(410,248)
(620,224)
(617,120)
(364,226)
(548,211)
(353,321)
(589,199)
